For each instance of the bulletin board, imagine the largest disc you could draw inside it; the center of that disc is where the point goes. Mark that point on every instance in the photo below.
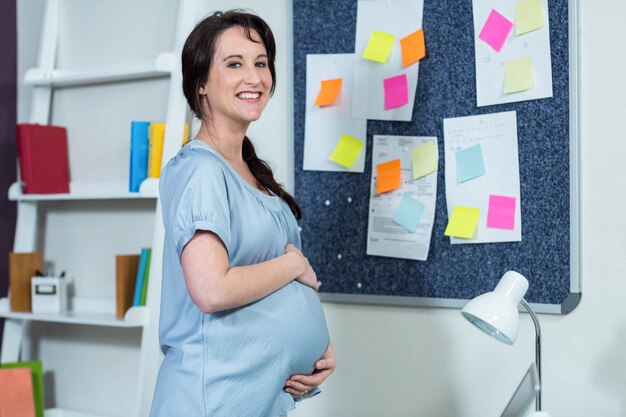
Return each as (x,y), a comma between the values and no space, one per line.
(335,205)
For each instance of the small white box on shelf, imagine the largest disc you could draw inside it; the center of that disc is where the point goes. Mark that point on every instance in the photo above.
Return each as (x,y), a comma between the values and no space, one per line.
(49,294)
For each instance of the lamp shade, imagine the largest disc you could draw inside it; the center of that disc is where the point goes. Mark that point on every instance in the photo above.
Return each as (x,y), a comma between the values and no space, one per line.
(495,313)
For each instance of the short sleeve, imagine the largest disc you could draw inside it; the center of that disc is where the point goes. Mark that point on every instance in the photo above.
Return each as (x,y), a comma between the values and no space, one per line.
(194,196)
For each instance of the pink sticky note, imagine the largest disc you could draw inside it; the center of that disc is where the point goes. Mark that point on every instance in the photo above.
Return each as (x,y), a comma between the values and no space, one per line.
(501,214)
(496,30)
(396,91)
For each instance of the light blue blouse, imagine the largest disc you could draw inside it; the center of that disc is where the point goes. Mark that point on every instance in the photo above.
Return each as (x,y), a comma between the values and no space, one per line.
(232,363)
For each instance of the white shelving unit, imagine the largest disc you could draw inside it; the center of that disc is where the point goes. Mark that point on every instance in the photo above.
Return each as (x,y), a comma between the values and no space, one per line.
(149,189)
(90,312)
(60,412)
(85,311)
(162,66)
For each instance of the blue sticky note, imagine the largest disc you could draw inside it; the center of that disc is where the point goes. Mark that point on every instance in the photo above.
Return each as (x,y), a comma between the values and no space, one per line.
(409,213)
(469,163)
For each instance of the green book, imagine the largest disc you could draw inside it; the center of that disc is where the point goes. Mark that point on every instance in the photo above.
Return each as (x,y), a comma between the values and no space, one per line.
(141,274)
(144,291)
(37,374)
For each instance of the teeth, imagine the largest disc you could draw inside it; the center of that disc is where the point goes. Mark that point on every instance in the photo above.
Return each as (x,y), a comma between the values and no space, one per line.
(248,95)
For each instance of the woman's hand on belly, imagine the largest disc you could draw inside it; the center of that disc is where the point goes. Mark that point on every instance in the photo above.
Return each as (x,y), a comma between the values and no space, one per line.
(308,276)
(301,385)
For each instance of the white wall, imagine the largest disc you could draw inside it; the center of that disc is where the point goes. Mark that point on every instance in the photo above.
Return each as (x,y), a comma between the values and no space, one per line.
(408,362)
(428,362)
(405,362)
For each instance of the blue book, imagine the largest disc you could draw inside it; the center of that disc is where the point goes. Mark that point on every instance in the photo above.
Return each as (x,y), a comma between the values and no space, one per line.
(139,148)
(141,273)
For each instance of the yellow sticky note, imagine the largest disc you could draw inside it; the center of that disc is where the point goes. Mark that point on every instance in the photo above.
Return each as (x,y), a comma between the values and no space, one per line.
(528,16)
(519,76)
(347,151)
(424,159)
(379,47)
(463,222)
(413,48)
(329,92)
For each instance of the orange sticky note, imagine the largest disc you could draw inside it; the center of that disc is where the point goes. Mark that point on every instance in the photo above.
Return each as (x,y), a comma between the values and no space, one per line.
(413,48)
(329,92)
(388,176)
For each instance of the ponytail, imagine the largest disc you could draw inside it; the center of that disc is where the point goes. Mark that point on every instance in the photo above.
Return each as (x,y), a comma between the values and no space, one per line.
(263,174)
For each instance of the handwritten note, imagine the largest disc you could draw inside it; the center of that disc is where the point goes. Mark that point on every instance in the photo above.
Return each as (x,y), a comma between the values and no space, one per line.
(346,151)
(409,213)
(329,92)
(497,135)
(519,76)
(501,213)
(528,16)
(388,176)
(379,47)
(396,91)
(424,159)
(323,125)
(491,64)
(463,222)
(469,163)
(413,48)
(496,30)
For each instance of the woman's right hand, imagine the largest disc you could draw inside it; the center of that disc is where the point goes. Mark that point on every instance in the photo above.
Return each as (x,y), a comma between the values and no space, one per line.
(308,277)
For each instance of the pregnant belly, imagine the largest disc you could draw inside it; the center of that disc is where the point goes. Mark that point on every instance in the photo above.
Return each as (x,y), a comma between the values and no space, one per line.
(284,333)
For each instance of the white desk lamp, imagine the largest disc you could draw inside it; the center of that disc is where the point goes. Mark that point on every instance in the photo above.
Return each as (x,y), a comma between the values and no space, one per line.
(496,314)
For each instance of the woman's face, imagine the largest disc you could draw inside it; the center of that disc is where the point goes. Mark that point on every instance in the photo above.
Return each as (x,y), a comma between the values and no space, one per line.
(239,81)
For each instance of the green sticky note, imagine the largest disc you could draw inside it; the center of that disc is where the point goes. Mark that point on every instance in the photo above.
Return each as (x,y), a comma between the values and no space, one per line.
(424,159)
(37,374)
(528,16)
(379,47)
(347,151)
(463,222)
(519,76)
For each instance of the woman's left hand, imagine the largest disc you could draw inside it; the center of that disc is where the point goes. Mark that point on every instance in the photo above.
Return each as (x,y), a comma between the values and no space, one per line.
(301,385)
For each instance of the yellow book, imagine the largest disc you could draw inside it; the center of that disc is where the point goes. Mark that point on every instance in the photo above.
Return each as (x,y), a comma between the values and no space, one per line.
(156,135)
(186,134)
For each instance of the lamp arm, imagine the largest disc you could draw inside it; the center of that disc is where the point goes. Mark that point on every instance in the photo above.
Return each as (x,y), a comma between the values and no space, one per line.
(537,350)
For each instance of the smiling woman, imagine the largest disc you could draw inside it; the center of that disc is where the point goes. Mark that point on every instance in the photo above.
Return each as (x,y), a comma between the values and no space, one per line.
(242,327)
(240,81)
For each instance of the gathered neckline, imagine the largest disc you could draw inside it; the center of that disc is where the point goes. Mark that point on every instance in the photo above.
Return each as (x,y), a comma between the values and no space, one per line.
(270,198)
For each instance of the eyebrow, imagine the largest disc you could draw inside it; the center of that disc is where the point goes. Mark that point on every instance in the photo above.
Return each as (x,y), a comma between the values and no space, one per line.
(241,56)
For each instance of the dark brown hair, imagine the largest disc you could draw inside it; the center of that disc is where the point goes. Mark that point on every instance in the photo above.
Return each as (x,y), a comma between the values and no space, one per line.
(197,57)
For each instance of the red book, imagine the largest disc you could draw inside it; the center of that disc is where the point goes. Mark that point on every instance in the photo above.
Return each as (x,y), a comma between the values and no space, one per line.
(42,153)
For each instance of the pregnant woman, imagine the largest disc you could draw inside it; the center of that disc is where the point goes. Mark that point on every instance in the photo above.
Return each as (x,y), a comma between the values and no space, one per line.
(241,326)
